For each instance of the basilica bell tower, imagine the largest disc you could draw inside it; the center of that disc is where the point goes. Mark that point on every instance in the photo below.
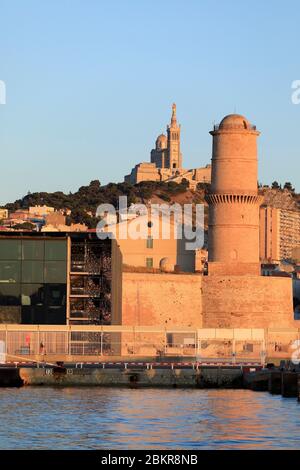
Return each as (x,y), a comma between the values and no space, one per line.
(173,131)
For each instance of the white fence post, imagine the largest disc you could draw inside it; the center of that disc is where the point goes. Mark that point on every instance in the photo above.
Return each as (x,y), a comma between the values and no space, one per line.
(233,351)
(38,342)
(68,334)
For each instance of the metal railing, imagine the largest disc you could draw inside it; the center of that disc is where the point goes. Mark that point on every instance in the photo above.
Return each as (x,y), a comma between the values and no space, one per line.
(235,126)
(36,342)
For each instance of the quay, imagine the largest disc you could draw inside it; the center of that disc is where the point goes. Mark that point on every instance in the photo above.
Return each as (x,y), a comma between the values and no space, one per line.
(284,380)
(123,374)
(115,355)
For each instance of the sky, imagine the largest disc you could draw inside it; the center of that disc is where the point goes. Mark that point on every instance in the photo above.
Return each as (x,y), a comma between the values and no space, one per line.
(90,85)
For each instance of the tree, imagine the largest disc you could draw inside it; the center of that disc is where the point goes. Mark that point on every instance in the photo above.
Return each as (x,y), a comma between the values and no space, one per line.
(79,216)
(275,185)
(87,198)
(288,186)
(95,184)
(164,197)
(184,183)
(24,226)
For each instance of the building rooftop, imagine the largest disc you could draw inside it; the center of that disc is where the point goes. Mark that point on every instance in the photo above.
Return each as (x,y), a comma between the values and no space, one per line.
(234,121)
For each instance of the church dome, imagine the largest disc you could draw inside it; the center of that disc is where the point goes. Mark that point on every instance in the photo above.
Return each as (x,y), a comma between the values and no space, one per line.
(235,121)
(161,141)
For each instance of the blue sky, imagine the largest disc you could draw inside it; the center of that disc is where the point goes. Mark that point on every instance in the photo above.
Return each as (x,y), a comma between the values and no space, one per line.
(90,85)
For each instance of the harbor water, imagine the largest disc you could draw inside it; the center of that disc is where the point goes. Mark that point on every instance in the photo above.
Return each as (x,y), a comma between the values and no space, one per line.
(112,418)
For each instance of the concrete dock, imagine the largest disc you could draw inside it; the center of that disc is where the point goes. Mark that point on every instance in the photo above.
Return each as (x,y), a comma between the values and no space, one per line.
(124,374)
(284,381)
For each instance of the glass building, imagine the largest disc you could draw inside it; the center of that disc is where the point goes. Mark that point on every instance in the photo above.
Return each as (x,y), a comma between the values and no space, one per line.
(55,278)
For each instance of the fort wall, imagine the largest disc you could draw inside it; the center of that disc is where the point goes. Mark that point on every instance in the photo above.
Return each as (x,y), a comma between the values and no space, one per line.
(162,300)
(247,302)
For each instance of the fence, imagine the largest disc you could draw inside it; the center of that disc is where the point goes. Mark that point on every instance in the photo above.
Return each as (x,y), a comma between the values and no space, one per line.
(235,345)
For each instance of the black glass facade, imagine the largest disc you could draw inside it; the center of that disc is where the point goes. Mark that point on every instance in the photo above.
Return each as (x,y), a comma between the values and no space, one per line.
(33,277)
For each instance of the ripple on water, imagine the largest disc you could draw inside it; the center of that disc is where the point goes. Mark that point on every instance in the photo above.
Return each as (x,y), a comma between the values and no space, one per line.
(112,418)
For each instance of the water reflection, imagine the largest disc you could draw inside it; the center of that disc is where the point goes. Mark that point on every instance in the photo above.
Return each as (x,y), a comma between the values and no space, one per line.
(107,418)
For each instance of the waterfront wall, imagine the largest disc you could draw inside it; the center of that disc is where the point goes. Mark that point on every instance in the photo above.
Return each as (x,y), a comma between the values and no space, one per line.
(247,302)
(219,301)
(162,300)
(202,377)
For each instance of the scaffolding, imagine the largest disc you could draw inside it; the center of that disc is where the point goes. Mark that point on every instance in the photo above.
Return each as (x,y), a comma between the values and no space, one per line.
(90,282)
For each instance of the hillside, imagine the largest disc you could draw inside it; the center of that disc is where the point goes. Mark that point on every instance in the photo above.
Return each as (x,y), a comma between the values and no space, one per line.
(281,198)
(84,202)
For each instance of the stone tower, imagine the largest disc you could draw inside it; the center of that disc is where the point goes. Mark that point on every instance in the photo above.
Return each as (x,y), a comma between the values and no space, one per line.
(159,155)
(233,240)
(173,131)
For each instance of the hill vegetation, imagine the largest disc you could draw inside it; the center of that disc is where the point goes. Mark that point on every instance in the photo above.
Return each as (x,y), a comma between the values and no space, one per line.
(83,203)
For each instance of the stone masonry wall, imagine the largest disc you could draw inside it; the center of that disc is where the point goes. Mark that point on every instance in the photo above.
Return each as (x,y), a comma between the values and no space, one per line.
(247,302)
(162,300)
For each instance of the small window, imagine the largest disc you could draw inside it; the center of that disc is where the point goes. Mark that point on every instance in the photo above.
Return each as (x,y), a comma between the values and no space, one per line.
(55,250)
(149,262)
(33,249)
(150,224)
(10,294)
(10,271)
(32,294)
(55,271)
(10,249)
(149,242)
(33,271)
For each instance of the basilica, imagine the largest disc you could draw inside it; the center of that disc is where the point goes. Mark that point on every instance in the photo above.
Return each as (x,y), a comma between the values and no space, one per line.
(166,161)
